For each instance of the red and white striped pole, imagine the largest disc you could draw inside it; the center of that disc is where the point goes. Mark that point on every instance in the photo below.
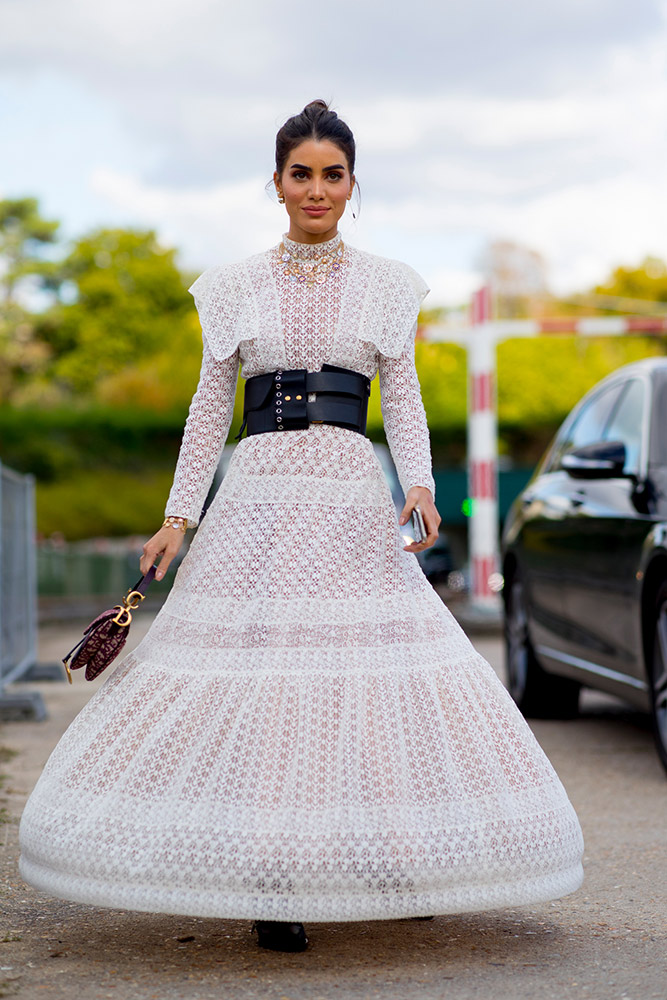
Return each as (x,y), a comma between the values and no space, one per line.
(480,341)
(483,454)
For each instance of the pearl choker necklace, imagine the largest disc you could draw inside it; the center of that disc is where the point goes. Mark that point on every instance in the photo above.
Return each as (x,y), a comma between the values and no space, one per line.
(311,271)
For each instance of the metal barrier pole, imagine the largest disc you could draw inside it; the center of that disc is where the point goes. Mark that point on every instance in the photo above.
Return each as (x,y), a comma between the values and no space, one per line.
(484,544)
(18,593)
(4,655)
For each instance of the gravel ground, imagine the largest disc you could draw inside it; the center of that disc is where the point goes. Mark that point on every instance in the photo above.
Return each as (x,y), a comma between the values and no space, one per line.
(607,941)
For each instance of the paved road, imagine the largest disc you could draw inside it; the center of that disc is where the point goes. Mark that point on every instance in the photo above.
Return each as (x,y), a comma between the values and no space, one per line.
(607,941)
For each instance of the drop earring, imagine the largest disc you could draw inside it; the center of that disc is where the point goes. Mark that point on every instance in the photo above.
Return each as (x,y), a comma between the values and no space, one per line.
(281,198)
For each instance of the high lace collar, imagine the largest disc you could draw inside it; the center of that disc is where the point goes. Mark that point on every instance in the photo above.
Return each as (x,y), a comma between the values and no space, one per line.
(311,251)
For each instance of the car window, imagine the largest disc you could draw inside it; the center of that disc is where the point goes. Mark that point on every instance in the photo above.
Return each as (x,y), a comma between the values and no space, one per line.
(589,425)
(626,423)
(659,423)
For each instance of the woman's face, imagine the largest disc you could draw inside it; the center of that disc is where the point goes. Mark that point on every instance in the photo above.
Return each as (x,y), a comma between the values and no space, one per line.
(316,184)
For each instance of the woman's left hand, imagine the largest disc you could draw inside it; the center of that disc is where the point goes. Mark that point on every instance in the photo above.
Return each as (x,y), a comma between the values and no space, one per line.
(420,496)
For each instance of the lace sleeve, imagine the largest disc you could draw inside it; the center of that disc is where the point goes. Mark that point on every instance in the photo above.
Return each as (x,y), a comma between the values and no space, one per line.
(404,418)
(206,429)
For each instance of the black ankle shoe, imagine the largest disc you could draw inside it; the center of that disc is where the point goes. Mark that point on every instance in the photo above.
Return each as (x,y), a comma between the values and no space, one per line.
(280,936)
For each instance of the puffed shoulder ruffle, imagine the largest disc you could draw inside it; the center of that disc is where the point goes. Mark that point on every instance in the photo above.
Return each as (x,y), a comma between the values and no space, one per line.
(394,293)
(224,298)
(380,304)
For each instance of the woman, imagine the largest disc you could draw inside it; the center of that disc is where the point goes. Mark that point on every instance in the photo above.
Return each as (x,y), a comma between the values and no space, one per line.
(305,733)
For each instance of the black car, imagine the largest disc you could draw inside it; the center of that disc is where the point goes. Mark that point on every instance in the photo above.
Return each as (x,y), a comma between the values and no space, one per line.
(585,556)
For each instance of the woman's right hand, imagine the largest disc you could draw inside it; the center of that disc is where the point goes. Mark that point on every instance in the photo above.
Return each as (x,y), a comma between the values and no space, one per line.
(166,542)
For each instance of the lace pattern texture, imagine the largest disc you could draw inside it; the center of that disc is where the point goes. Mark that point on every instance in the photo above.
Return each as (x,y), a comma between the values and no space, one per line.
(363,317)
(305,733)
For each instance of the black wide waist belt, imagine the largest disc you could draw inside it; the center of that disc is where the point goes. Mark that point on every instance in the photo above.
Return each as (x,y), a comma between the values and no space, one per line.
(278,401)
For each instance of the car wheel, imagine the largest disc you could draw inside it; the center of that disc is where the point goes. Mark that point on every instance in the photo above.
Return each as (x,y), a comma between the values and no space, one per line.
(659,675)
(537,694)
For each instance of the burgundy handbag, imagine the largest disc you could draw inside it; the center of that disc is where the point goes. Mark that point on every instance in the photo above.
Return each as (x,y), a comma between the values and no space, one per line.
(106,635)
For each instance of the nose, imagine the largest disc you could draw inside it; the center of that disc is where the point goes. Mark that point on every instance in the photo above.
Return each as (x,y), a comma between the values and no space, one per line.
(317,188)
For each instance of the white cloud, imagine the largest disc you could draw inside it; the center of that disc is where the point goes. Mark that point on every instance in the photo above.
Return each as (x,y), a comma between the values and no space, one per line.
(537,122)
(586,230)
(215,225)
(582,230)
(451,286)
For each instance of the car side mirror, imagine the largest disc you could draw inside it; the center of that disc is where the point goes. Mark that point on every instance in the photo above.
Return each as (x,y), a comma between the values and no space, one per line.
(602,460)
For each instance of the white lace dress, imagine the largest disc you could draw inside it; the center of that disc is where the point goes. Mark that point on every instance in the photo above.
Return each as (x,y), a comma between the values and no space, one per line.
(305,733)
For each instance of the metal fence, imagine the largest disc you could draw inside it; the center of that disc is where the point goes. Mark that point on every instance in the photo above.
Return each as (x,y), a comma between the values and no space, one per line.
(18,581)
(77,580)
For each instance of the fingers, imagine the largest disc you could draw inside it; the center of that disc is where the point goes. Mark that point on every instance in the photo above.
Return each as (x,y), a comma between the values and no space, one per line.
(164,543)
(151,551)
(430,540)
(163,566)
(420,546)
(420,496)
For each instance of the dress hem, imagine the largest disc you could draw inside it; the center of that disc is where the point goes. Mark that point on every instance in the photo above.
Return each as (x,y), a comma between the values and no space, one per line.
(255,906)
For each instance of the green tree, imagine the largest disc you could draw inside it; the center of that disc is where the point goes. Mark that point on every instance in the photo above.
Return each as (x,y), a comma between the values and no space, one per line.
(646,282)
(127,303)
(24,236)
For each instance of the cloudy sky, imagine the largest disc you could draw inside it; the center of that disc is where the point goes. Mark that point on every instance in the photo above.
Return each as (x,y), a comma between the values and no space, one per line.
(539,121)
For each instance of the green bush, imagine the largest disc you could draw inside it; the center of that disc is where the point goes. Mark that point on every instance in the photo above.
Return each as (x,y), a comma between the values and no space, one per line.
(103,502)
(54,443)
(104,470)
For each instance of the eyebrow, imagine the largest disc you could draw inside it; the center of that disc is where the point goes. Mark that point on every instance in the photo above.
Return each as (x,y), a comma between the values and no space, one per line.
(302,166)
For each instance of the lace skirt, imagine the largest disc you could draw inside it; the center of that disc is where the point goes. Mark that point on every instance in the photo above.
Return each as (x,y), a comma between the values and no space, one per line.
(305,733)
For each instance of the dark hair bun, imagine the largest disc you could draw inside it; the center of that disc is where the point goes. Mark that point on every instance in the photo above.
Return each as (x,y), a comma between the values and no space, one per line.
(318,122)
(317,105)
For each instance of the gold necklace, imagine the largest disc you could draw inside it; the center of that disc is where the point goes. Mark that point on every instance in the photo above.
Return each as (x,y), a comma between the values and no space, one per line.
(311,271)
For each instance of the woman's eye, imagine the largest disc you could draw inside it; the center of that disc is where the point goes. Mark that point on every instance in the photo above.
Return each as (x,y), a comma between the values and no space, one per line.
(334,176)
(299,174)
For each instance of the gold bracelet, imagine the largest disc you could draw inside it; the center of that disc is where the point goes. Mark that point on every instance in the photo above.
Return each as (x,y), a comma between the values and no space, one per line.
(176,522)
